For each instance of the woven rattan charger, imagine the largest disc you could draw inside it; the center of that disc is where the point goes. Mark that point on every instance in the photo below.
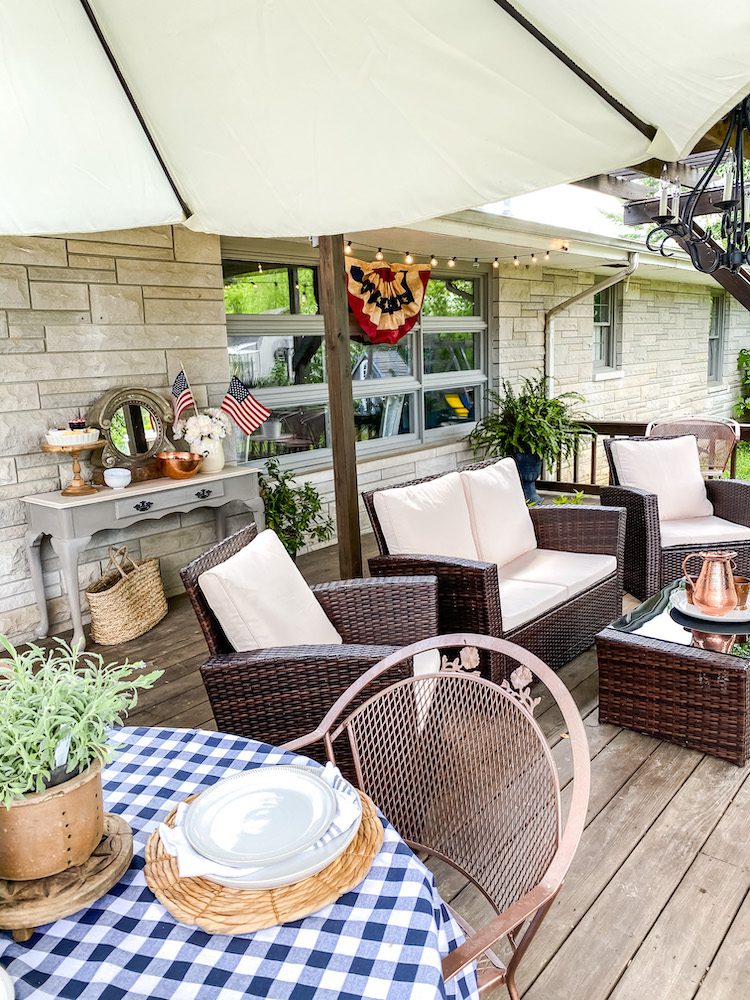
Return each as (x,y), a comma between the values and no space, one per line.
(219,909)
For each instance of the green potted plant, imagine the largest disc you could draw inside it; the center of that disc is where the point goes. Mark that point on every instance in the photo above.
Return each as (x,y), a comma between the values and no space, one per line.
(529,425)
(56,709)
(294,512)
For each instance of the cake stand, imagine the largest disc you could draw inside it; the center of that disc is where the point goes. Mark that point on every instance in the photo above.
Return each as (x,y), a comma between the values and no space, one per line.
(77,488)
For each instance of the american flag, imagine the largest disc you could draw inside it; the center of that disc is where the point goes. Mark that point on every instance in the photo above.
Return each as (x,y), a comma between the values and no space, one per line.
(243,407)
(182,397)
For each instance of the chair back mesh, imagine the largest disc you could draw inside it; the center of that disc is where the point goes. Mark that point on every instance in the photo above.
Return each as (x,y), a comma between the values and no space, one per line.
(462,769)
(716,439)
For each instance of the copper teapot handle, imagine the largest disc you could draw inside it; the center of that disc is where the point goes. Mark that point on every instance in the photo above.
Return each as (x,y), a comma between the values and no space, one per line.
(688,577)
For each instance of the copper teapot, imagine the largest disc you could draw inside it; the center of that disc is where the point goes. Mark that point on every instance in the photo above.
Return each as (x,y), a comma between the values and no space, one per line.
(712,591)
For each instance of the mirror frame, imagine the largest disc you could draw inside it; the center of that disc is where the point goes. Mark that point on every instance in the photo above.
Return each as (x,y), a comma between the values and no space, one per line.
(103,410)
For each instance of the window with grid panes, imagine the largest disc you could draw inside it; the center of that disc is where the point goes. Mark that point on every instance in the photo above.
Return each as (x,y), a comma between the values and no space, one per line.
(716,337)
(430,385)
(607,304)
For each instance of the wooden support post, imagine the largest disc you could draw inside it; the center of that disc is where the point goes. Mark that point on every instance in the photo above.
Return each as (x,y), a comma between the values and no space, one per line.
(334,306)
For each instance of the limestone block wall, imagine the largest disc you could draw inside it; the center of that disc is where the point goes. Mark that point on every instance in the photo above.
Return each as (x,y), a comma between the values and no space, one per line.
(80,315)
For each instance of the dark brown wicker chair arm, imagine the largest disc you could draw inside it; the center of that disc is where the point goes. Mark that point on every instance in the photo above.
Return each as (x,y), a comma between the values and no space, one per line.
(580,528)
(468,592)
(276,695)
(386,610)
(642,537)
(731,499)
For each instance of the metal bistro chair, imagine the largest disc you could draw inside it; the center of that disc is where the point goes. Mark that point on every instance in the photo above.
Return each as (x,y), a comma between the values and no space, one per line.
(717,439)
(463,771)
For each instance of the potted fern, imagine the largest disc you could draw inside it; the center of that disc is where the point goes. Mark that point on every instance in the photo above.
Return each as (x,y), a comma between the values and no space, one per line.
(529,425)
(294,512)
(56,709)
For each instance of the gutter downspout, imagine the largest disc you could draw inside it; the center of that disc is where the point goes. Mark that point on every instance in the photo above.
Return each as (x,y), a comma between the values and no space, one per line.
(549,316)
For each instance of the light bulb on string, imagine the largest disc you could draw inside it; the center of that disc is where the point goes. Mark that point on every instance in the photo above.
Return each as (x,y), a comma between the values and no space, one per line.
(348,247)
(546,256)
(476,262)
(533,258)
(496,263)
(408,259)
(260,268)
(516,262)
(433,261)
(452,262)
(379,254)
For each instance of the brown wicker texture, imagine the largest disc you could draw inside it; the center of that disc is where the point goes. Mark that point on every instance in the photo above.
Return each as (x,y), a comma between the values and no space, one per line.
(127,601)
(647,566)
(468,592)
(687,695)
(463,771)
(274,695)
(218,909)
(716,439)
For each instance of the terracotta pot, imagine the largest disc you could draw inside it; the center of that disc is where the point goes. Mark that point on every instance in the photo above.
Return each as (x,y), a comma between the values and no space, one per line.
(45,833)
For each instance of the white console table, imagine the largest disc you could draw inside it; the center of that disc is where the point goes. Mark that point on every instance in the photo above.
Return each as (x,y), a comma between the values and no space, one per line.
(70,522)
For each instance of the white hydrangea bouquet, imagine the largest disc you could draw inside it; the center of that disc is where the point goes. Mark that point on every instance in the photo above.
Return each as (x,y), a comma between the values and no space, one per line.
(213,425)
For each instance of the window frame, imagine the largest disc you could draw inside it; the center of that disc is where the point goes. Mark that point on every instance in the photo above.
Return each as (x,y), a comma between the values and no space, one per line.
(715,361)
(613,355)
(416,384)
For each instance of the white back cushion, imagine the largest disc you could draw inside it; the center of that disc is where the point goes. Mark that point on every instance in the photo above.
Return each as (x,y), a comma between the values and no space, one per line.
(427,519)
(261,599)
(500,519)
(671,469)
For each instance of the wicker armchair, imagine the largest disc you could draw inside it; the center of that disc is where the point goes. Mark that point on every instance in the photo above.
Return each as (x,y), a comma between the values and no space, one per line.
(463,771)
(647,565)
(469,593)
(274,695)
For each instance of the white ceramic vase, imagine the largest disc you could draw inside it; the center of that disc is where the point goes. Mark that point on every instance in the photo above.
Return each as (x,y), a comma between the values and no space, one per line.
(213,460)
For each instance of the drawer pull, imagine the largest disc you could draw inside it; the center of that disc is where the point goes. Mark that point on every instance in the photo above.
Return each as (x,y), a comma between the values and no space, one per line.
(204,494)
(144,505)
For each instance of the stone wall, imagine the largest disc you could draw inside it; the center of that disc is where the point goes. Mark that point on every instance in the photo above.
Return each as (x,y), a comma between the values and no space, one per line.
(80,315)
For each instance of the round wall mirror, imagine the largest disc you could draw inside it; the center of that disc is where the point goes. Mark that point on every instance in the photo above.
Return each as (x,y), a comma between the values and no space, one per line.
(134,422)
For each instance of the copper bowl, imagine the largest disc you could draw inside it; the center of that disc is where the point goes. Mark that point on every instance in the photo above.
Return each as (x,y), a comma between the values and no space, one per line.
(179,464)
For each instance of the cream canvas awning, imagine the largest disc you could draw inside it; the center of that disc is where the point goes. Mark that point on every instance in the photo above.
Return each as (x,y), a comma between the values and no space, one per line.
(289,118)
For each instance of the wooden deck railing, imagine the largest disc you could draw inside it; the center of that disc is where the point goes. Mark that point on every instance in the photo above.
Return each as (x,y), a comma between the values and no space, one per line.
(587,469)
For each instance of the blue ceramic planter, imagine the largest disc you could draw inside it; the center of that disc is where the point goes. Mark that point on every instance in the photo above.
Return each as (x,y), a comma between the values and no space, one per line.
(529,470)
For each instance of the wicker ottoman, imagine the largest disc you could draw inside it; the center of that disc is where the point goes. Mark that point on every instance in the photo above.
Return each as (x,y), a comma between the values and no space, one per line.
(657,677)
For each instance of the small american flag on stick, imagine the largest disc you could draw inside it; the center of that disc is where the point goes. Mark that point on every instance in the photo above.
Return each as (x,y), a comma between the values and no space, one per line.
(243,407)
(182,396)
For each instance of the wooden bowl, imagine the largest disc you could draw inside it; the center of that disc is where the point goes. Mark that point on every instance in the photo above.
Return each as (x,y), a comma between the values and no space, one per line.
(179,464)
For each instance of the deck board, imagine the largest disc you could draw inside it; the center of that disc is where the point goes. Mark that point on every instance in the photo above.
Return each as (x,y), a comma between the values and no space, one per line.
(657,902)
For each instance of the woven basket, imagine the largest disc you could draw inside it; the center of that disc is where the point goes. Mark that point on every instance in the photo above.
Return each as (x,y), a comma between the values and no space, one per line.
(127,601)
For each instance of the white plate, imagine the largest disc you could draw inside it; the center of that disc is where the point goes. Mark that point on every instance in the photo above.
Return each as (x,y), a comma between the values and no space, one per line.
(260,816)
(7,990)
(680,601)
(294,869)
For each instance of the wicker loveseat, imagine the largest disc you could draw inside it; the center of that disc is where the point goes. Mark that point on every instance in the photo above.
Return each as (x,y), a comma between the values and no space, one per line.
(278,694)
(523,599)
(716,513)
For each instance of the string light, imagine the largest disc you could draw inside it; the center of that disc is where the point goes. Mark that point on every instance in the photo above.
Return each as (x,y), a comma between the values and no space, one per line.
(496,263)
(260,268)
(379,254)
(546,256)
(476,262)
(348,247)
(433,261)
(516,262)
(452,262)
(408,259)
(533,258)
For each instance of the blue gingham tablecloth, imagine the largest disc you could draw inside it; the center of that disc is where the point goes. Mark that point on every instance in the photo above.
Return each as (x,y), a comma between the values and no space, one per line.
(385,939)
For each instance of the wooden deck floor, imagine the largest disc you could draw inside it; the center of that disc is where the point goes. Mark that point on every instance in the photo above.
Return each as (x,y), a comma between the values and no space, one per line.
(656,906)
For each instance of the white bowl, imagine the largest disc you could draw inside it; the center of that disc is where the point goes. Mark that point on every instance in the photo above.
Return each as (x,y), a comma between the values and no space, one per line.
(117,479)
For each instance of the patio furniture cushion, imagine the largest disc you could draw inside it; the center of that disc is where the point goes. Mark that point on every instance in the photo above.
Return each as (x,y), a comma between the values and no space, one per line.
(699,530)
(261,599)
(500,520)
(574,572)
(522,601)
(429,518)
(671,469)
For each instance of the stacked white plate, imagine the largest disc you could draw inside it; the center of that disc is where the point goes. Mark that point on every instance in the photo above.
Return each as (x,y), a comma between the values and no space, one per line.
(680,601)
(265,828)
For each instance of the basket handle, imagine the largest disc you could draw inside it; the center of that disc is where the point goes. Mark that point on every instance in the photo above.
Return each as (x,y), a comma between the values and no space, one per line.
(118,557)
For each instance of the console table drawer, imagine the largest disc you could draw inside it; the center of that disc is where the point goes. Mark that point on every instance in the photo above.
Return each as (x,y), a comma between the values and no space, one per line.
(164,499)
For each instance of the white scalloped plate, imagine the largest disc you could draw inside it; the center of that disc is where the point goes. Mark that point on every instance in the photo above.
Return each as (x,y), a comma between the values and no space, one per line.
(680,601)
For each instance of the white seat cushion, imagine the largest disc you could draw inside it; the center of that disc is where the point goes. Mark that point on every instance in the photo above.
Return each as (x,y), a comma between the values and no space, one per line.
(500,520)
(261,599)
(574,572)
(668,467)
(700,530)
(522,602)
(429,518)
